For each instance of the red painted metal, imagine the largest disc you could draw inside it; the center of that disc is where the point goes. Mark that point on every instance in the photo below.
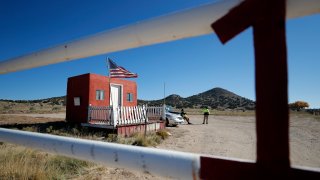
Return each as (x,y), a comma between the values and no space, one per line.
(128,130)
(268,20)
(77,86)
(85,86)
(212,168)
(272,122)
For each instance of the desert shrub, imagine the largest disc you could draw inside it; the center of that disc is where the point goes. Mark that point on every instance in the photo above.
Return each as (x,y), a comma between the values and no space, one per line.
(151,139)
(30,128)
(7,107)
(75,131)
(56,108)
(66,165)
(163,134)
(49,129)
(112,138)
(140,140)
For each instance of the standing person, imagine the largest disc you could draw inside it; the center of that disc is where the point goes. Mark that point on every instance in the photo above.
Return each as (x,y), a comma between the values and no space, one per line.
(184,116)
(206,113)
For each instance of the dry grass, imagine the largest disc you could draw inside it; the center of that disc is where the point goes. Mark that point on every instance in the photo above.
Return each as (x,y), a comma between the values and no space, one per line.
(139,139)
(20,108)
(17,162)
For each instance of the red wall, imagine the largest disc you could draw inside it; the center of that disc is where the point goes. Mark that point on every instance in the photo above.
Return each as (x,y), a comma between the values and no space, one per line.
(85,86)
(78,86)
(98,82)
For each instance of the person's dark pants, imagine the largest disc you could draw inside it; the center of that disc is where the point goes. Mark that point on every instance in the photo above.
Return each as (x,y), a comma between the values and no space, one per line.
(205,118)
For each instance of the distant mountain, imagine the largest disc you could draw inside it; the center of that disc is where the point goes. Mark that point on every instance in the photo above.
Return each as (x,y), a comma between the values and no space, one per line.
(216,98)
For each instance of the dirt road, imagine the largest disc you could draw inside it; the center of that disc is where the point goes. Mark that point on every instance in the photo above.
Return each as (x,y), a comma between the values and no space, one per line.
(223,136)
(234,136)
(53,115)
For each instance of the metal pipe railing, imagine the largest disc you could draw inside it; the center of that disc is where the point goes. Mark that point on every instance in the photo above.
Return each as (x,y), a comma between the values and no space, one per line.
(155,161)
(184,24)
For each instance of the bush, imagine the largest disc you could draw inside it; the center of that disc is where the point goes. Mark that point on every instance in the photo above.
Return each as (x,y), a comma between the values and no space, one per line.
(7,107)
(56,108)
(139,139)
(152,139)
(30,129)
(66,165)
(298,105)
(112,138)
(163,134)
(49,129)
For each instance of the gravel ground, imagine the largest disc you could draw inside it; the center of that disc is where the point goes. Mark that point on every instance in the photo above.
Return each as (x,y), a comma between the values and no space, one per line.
(234,136)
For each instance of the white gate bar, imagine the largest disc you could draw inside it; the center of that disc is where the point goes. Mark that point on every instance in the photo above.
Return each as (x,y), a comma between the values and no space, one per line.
(183,24)
(155,161)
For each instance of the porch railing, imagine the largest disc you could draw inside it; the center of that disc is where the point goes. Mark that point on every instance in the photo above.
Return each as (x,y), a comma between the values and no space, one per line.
(130,115)
(106,115)
(100,115)
(123,115)
(155,112)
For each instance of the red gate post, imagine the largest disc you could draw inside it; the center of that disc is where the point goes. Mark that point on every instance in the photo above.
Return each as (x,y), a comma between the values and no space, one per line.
(268,20)
(271,77)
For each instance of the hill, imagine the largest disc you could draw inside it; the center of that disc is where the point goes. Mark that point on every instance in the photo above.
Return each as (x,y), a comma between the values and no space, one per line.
(216,98)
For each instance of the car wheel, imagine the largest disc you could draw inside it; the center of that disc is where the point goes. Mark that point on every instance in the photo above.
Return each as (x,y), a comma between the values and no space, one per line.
(167,122)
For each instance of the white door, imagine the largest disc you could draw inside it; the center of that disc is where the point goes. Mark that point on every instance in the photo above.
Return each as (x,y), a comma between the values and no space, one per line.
(115,96)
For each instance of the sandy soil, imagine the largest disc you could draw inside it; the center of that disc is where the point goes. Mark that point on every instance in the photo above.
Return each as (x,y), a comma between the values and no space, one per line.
(54,115)
(6,119)
(228,136)
(234,136)
(222,136)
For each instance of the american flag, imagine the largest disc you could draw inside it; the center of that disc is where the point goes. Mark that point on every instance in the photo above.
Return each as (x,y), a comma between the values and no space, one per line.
(119,72)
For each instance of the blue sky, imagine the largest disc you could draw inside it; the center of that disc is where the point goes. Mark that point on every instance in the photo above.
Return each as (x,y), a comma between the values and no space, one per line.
(187,67)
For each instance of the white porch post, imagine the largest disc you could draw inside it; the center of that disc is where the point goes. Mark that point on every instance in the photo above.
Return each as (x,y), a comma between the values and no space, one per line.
(163,112)
(114,116)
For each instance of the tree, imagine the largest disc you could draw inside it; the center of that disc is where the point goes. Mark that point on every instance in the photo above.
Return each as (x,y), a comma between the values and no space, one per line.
(298,105)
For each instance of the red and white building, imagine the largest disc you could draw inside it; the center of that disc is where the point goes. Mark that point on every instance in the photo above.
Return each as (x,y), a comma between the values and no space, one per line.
(90,102)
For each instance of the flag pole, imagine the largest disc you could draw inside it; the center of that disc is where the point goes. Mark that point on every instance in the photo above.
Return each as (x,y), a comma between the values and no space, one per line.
(164,93)
(113,118)
(109,79)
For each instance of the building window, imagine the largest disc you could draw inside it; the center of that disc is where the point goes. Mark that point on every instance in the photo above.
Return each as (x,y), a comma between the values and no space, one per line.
(130,97)
(76,101)
(99,95)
